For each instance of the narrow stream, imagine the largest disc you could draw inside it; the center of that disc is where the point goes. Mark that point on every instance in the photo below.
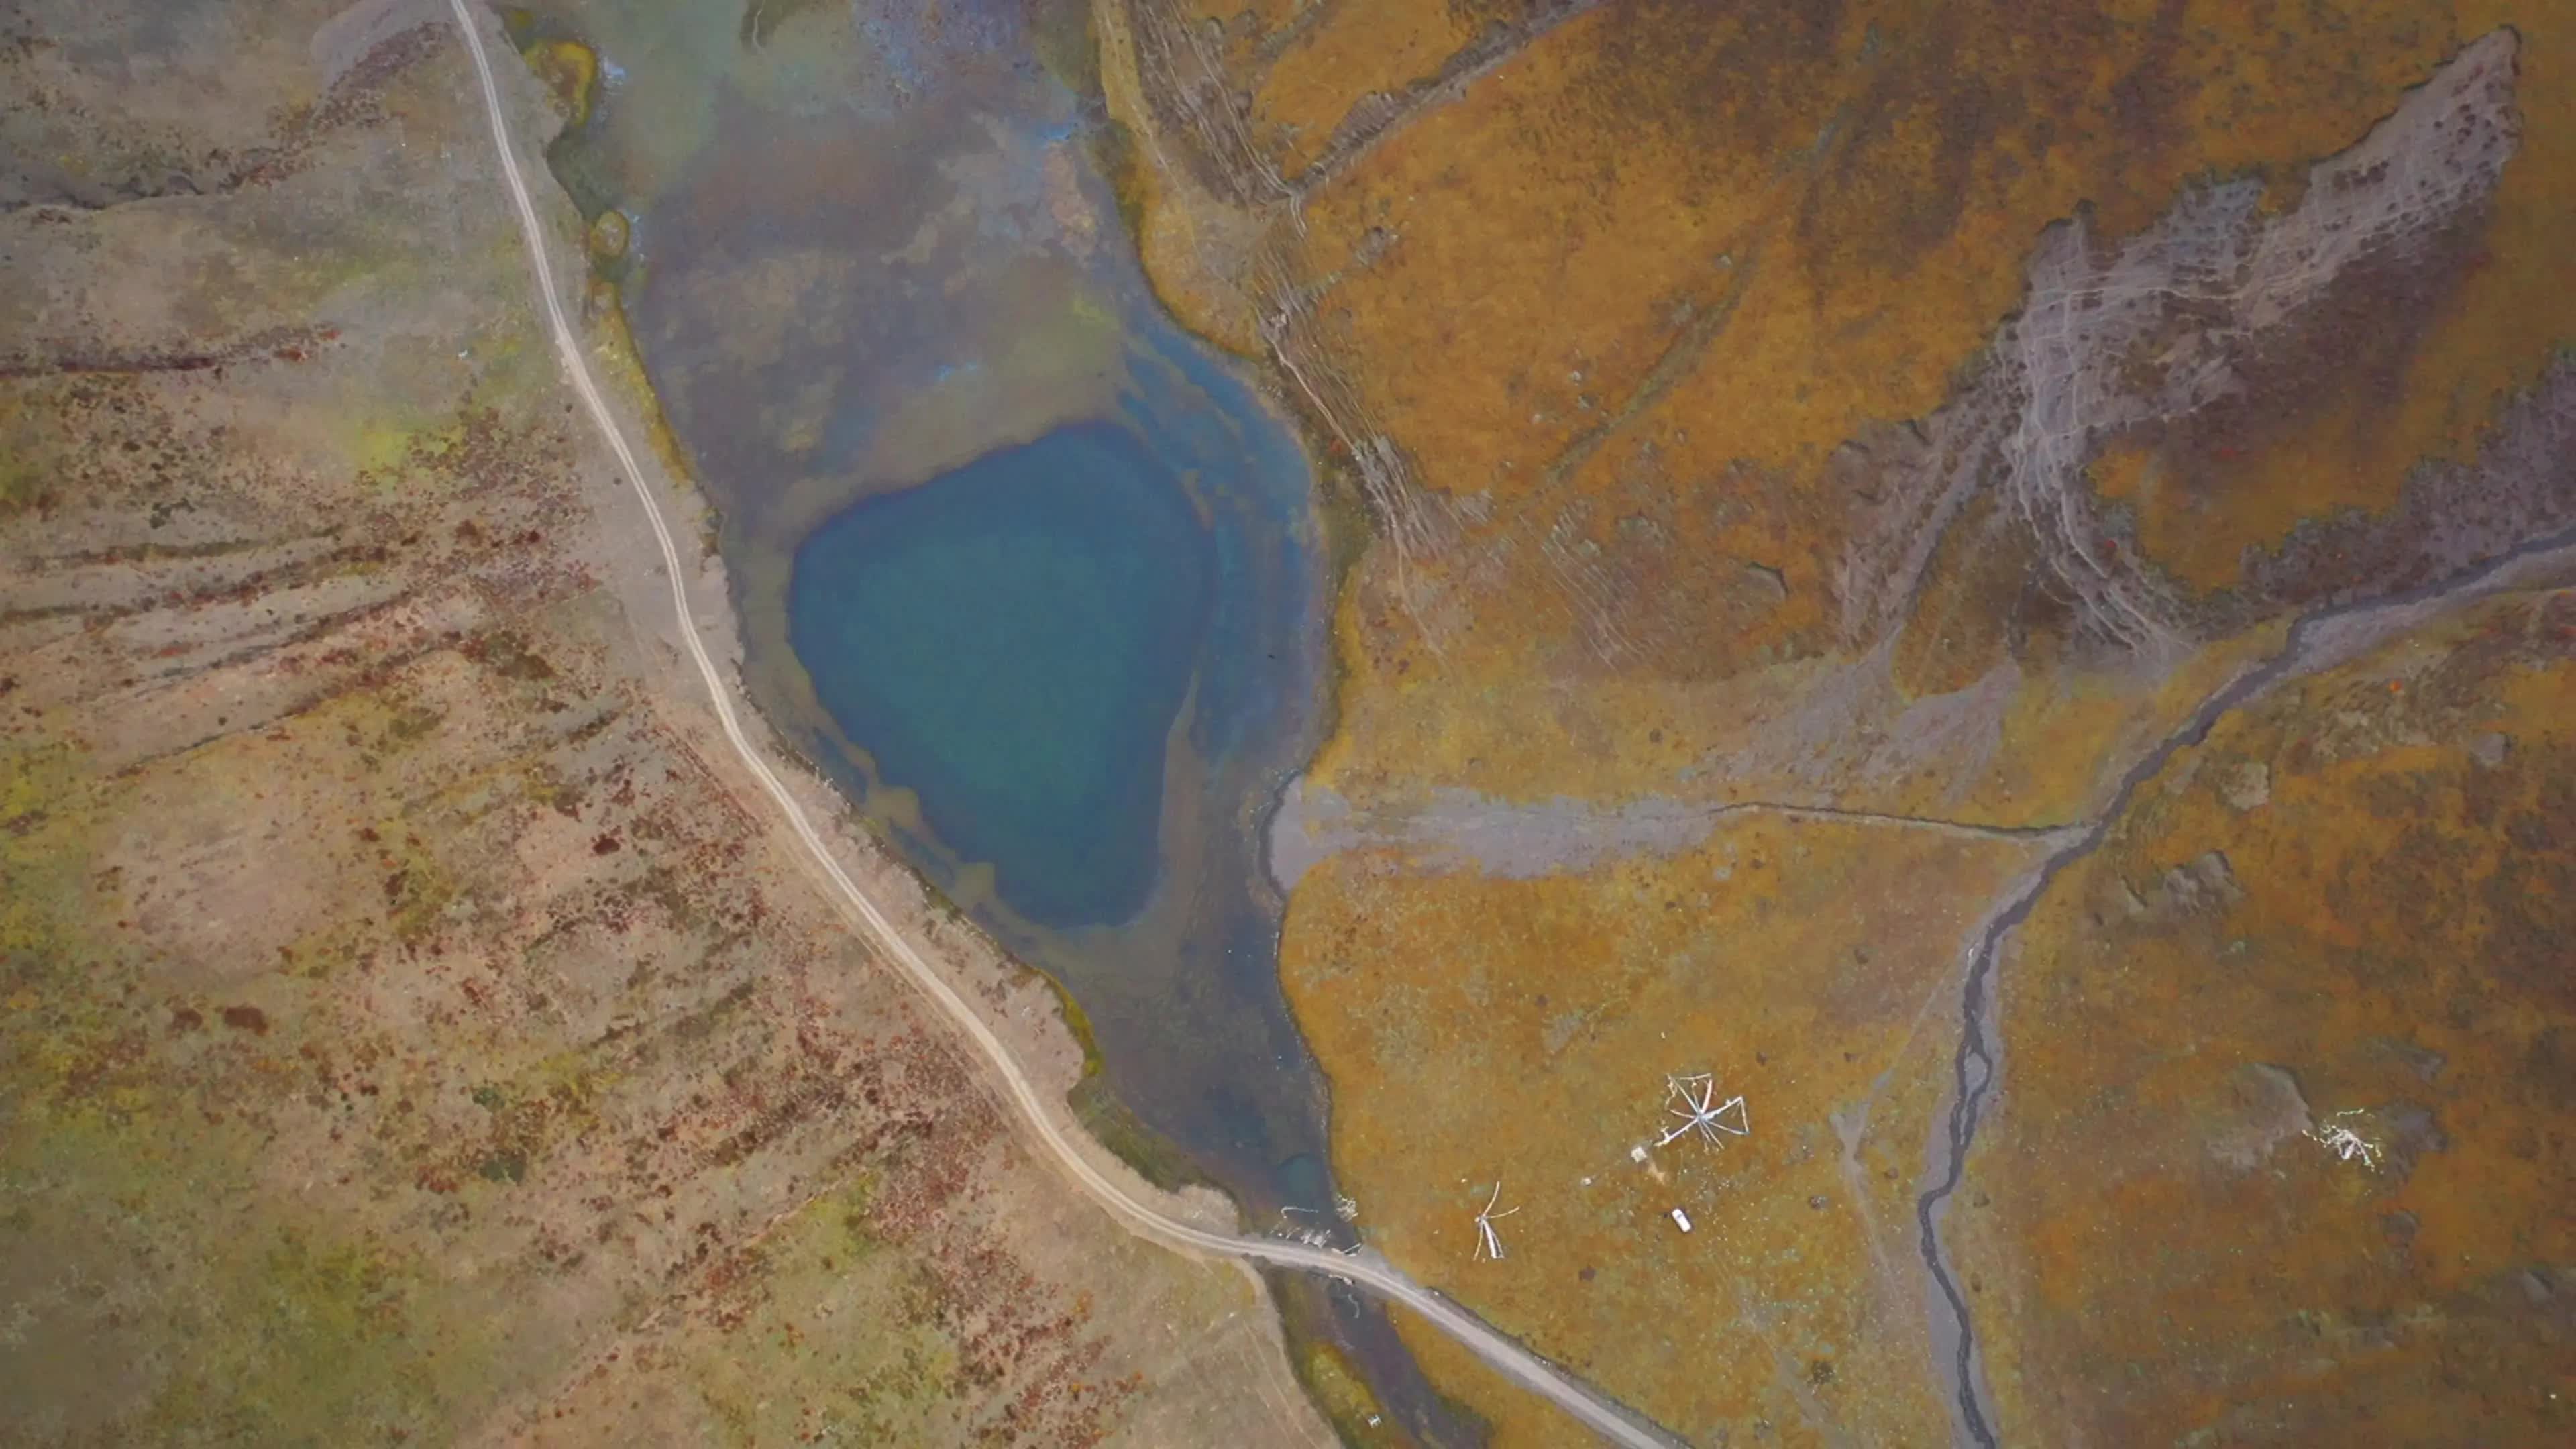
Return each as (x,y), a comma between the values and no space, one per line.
(2317,641)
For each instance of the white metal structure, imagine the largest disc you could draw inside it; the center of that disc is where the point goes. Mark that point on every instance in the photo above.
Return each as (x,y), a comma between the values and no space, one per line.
(1689,1098)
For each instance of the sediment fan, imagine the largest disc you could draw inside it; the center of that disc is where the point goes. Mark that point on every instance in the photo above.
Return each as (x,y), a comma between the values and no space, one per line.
(2159,329)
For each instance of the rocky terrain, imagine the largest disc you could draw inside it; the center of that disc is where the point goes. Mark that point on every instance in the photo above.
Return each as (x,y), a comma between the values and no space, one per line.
(1999,582)
(413,1028)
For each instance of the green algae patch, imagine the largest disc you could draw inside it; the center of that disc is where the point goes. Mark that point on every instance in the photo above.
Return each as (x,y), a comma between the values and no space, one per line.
(821,1331)
(570,72)
(220,1315)
(609,233)
(1076,1020)
(60,1039)
(314,1342)
(1062,35)
(1337,1389)
(22,478)
(200,1318)
(1121,162)
(1109,1122)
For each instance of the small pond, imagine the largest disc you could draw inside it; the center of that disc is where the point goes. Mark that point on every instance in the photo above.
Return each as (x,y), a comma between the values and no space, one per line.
(1012,640)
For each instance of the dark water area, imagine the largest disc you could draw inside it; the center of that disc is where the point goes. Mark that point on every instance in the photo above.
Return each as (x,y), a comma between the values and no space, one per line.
(1011,641)
(1032,575)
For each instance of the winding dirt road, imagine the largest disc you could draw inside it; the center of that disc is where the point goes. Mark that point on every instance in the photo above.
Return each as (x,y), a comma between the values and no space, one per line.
(1368,1270)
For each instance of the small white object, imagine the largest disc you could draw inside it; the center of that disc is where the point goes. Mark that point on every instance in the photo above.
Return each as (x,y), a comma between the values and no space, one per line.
(1681,1220)
(1488,1243)
(1693,1100)
(2346,1144)
(1637,1153)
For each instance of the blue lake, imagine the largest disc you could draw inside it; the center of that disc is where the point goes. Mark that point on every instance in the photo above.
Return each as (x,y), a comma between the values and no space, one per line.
(1034,577)
(1013,640)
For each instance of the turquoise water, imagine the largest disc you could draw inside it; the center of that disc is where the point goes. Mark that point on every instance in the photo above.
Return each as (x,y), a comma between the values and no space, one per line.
(1012,641)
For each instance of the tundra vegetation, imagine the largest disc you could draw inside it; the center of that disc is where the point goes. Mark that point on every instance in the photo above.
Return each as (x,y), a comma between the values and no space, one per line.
(1994,578)
(410,1031)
